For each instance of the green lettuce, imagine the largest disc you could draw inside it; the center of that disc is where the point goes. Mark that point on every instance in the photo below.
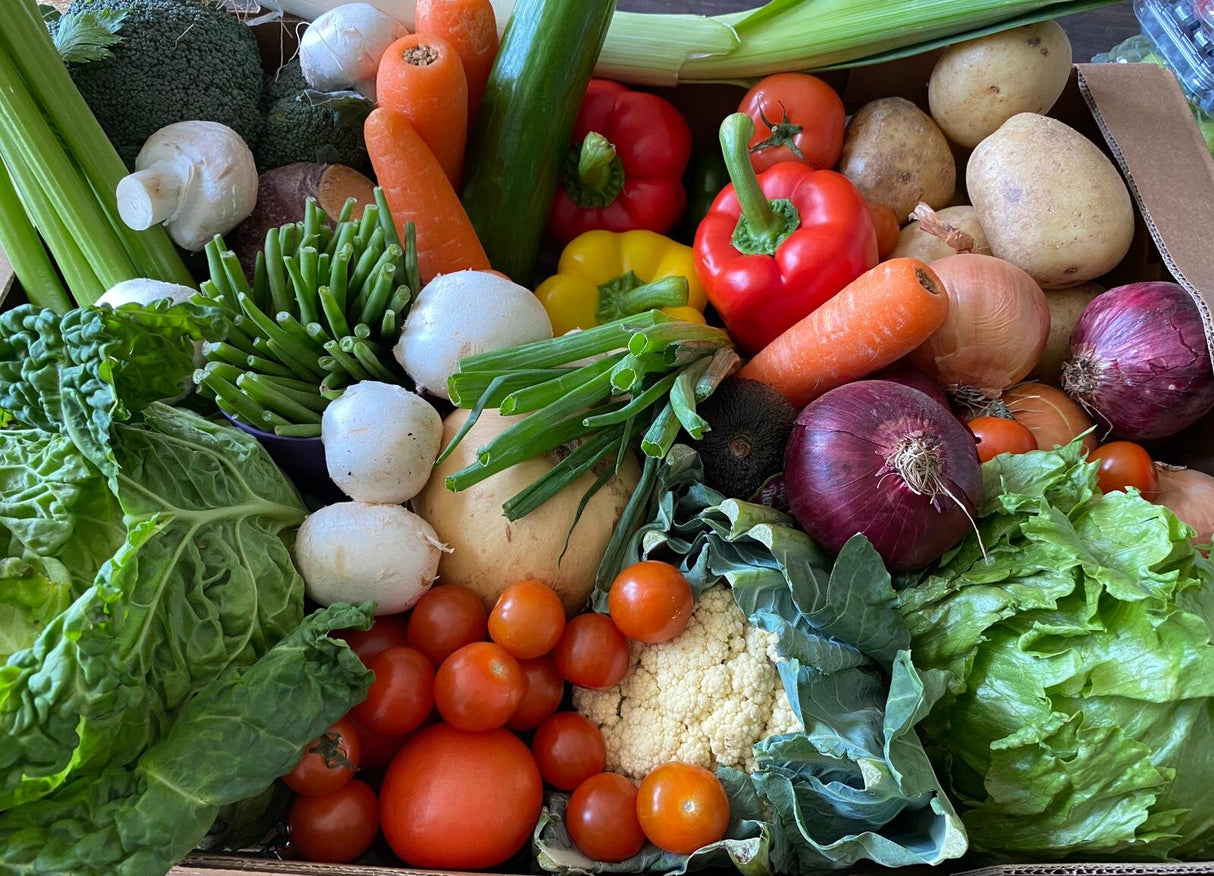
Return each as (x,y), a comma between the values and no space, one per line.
(1078,717)
(32,593)
(239,732)
(856,785)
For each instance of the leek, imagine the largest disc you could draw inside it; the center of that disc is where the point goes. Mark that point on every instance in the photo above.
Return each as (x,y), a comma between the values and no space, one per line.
(661,49)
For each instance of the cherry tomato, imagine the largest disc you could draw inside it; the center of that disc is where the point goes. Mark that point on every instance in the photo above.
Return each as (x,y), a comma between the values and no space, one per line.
(328,762)
(445,619)
(797,117)
(888,231)
(682,807)
(528,619)
(602,818)
(543,689)
(387,631)
(592,652)
(651,602)
(568,749)
(1125,464)
(999,435)
(478,687)
(454,800)
(335,828)
(402,694)
(378,749)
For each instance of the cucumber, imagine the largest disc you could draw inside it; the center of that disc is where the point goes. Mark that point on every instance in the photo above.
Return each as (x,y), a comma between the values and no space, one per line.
(525,122)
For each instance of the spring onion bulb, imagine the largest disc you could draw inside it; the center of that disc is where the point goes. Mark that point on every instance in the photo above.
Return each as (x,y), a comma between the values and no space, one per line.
(661,49)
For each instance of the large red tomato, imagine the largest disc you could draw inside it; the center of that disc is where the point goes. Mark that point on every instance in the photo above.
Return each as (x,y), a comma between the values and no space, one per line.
(455,800)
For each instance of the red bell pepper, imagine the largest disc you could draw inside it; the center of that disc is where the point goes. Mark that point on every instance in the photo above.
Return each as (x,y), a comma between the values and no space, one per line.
(775,247)
(625,168)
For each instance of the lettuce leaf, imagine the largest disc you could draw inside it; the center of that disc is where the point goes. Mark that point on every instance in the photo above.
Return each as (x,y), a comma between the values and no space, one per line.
(32,592)
(203,580)
(856,784)
(1078,717)
(243,729)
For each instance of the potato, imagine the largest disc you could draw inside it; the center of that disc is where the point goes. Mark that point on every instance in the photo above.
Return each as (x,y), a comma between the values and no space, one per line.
(489,552)
(979,84)
(915,241)
(896,156)
(1066,306)
(1050,201)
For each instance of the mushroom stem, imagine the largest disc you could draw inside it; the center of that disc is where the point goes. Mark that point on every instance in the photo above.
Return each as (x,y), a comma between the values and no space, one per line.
(151,196)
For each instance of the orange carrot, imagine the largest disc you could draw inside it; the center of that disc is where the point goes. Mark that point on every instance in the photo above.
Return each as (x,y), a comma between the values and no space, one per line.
(877,319)
(417,190)
(470,26)
(423,78)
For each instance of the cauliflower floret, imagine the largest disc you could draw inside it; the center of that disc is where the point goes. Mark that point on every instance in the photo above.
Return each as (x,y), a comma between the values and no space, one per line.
(705,698)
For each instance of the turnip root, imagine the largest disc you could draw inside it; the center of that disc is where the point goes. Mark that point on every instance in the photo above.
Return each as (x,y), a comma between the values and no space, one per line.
(380,442)
(490,552)
(144,292)
(342,48)
(354,551)
(462,314)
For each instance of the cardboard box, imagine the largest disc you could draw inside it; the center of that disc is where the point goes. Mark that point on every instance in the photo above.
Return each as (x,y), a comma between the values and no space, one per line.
(1139,113)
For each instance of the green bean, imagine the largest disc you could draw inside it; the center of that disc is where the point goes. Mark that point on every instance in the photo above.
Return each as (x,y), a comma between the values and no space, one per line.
(297,365)
(309,267)
(368,225)
(276,402)
(347,211)
(221,351)
(299,332)
(387,326)
(303,295)
(362,331)
(333,312)
(290,384)
(234,272)
(273,332)
(384,214)
(240,405)
(312,220)
(298,430)
(412,273)
(347,362)
(369,361)
(308,397)
(219,276)
(345,236)
(275,273)
(261,281)
(331,365)
(332,386)
(366,260)
(377,298)
(267,366)
(339,275)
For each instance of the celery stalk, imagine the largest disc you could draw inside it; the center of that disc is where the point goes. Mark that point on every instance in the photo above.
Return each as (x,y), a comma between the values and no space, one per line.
(25,136)
(31,46)
(26,252)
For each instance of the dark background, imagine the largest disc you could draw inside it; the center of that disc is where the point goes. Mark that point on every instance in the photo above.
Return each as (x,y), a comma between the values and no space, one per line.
(1094,31)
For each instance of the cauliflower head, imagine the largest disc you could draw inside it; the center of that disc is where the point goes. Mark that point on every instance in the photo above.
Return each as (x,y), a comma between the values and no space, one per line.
(705,697)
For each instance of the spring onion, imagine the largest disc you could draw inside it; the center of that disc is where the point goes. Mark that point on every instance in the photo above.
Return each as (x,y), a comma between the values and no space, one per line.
(662,49)
(64,170)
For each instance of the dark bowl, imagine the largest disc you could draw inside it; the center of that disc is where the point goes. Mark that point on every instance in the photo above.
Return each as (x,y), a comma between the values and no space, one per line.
(301,459)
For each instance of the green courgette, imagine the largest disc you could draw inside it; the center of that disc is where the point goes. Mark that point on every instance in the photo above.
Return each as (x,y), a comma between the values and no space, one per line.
(525,122)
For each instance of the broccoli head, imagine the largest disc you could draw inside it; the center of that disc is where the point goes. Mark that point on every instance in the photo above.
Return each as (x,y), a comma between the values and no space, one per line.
(303,125)
(176,60)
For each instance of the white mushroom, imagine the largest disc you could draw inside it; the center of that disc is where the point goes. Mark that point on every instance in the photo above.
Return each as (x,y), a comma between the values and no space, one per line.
(197,178)
(144,291)
(342,48)
(380,442)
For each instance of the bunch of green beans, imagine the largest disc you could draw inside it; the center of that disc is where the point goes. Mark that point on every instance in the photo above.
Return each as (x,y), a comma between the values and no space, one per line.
(324,309)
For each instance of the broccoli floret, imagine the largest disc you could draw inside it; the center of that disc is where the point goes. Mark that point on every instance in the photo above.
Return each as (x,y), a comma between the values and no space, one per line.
(176,60)
(299,125)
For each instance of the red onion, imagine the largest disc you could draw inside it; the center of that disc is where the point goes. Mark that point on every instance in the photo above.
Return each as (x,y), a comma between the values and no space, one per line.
(915,379)
(1139,361)
(879,458)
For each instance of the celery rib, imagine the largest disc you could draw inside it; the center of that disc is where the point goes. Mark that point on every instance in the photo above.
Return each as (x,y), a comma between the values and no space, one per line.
(25,251)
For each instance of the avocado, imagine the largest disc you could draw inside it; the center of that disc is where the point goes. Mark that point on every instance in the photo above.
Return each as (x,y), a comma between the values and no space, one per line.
(750,424)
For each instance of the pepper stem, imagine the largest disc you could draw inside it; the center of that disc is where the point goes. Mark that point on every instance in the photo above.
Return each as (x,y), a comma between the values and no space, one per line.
(628,294)
(594,161)
(764,223)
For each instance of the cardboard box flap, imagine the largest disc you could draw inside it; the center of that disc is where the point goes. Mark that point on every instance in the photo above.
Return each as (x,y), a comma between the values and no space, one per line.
(1153,136)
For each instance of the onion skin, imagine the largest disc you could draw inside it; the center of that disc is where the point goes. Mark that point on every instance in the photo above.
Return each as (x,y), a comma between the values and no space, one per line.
(1050,414)
(1189,494)
(997,325)
(1139,361)
(915,379)
(840,482)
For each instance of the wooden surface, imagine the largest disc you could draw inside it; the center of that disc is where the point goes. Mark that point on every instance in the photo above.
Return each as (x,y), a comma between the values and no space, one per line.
(1095,31)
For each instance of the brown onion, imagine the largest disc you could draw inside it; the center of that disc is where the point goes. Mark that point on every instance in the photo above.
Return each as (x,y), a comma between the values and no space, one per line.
(1050,414)
(934,234)
(1189,494)
(997,325)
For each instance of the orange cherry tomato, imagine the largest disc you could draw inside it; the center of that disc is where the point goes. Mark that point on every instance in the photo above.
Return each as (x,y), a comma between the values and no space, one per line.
(328,762)
(1125,464)
(602,818)
(402,694)
(998,435)
(651,602)
(568,749)
(543,689)
(592,652)
(478,687)
(335,828)
(682,807)
(528,619)
(446,618)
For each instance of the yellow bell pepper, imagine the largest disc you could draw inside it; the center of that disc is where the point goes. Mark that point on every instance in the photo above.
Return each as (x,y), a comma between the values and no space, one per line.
(603,275)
